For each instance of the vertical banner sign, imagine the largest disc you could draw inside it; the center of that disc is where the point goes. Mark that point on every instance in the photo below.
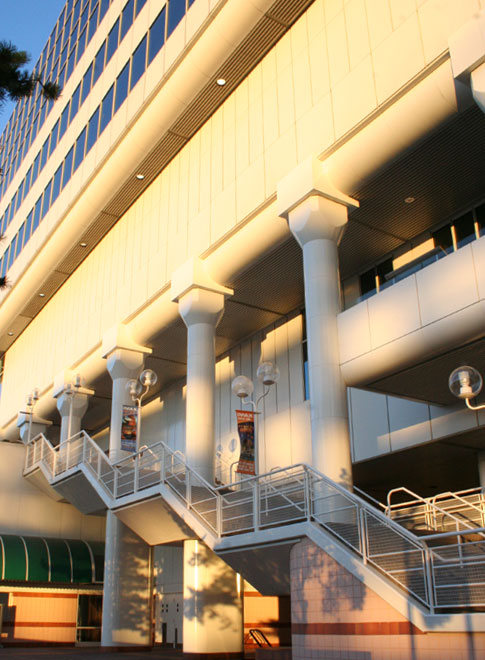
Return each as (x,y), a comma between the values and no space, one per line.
(245,428)
(128,428)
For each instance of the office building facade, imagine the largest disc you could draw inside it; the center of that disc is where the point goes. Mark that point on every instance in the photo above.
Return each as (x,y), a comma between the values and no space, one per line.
(224,184)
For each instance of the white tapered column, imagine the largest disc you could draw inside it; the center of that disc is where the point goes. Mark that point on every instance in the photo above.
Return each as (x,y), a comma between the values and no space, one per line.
(317,215)
(72,403)
(213,620)
(125,360)
(201,311)
(29,429)
(201,305)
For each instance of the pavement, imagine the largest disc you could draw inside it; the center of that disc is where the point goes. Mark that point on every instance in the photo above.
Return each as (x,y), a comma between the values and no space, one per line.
(88,652)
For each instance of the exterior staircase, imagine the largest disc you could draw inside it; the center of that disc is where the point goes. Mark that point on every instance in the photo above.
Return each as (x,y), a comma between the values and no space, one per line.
(252,524)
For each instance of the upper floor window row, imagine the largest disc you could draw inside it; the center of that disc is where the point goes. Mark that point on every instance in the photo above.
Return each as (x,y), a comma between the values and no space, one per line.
(62,52)
(437,244)
(126,80)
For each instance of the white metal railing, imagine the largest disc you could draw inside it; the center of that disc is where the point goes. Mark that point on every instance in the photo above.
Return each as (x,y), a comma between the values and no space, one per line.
(441,513)
(439,570)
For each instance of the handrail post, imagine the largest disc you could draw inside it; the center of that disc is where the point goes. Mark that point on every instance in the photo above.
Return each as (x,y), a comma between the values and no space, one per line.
(98,469)
(136,480)
(188,488)
(219,515)
(364,541)
(163,472)
(308,495)
(429,579)
(256,504)
(115,484)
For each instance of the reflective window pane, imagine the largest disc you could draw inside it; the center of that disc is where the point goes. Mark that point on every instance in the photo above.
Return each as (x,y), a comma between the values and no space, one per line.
(122,86)
(106,110)
(126,18)
(138,62)
(156,35)
(176,11)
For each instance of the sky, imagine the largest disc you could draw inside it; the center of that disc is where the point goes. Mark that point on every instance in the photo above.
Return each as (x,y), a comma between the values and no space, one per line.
(27,24)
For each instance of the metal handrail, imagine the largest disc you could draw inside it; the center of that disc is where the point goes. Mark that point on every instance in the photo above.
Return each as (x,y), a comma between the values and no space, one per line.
(426,503)
(302,491)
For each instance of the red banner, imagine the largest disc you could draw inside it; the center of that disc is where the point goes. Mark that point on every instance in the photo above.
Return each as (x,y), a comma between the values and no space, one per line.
(245,428)
(128,428)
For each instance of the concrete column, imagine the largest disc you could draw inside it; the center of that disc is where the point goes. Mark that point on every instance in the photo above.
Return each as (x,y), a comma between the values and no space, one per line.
(317,216)
(126,591)
(38,425)
(213,620)
(125,360)
(201,305)
(201,311)
(72,403)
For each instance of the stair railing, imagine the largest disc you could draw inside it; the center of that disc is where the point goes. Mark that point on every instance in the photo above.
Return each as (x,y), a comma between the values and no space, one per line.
(293,493)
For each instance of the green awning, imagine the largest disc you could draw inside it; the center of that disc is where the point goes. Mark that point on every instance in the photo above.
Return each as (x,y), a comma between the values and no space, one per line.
(60,561)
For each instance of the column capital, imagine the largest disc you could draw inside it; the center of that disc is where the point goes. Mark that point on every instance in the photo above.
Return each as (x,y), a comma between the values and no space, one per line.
(201,306)
(119,338)
(193,275)
(317,217)
(467,46)
(39,425)
(308,179)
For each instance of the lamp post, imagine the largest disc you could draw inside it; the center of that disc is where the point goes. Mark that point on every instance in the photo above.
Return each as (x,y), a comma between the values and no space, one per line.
(137,390)
(31,400)
(243,387)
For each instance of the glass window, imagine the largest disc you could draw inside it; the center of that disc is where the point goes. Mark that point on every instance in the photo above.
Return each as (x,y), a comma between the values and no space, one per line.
(64,120)
(75,13)
(62,76)
(28,227)
(20,240)
(93,23)
(139,6)
(122,86)
(138,62)
(126,18)
(480,216)
(443,239)
(70,64)
(47,199)
(75,102)
(35,168)
(84,17)
(156,35)
(99,62)
(67,168)
(106,110)
(103,9)
(28,178)
(56,184)
(81,45)
(54,136)
(20,194)
(45,151)
(176,11)
(112,40)
(368,283)
(464,229)
(92,130)
(37,208)
(80,143)
(11,253)
(87,83)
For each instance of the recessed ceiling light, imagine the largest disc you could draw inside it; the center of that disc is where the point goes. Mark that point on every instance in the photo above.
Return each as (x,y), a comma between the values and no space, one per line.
(221,82)
(140,177)
(83,244)
(10,334)
(410,200)
(41,295)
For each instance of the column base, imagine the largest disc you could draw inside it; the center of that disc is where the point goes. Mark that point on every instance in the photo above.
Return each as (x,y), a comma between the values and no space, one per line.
(213,656)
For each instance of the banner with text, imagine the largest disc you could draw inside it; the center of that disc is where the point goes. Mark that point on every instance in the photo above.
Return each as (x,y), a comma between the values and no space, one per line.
(245,428)
(128,428)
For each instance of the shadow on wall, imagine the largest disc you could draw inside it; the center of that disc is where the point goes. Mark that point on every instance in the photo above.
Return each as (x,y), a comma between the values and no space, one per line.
(215,595)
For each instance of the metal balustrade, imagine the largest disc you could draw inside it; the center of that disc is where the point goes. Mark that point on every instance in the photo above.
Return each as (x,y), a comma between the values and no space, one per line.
(441,513)
(439,570)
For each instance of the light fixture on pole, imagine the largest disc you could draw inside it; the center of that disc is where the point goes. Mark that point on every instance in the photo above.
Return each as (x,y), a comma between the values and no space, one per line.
(137,390)
(466,383)
(243,387)
(31,399)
